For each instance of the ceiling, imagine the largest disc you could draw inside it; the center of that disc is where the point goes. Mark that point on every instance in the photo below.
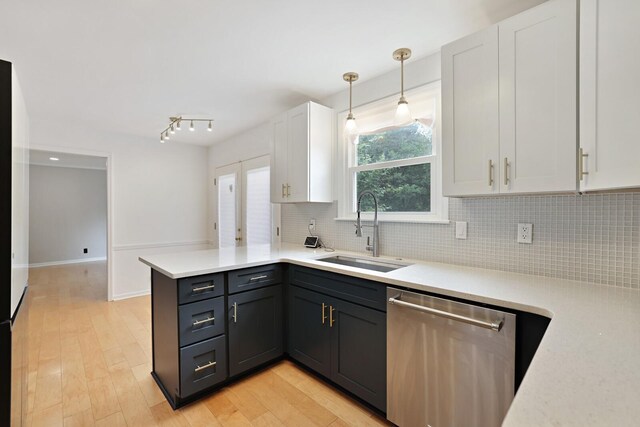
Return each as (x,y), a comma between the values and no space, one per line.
(126,66)
(66,160)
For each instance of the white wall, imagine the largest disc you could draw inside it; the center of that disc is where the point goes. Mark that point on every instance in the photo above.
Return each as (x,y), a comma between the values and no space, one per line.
(158,195)
(68,212)
(19,193)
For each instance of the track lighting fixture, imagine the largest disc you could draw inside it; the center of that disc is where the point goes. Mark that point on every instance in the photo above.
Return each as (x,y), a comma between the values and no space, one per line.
(403,115)
(175,124)
(350,126)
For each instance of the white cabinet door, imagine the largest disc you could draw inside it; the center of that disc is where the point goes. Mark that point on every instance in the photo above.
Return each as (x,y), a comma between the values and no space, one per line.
(470,140)
(298,155)
(609,93)
(538,108)
(279,158)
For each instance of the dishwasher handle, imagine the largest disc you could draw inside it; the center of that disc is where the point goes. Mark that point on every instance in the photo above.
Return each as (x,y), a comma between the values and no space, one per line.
(496,325)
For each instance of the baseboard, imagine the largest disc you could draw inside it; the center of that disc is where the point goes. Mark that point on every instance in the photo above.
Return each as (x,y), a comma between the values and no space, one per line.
(133,294)
(68,261)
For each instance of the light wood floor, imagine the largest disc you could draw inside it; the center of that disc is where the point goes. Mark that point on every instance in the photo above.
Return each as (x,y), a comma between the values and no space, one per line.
(89,364)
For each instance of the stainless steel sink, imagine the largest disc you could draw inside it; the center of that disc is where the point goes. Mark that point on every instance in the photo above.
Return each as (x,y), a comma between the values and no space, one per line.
(383,266)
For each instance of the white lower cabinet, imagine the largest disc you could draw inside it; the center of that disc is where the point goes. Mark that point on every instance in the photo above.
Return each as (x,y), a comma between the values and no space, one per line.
(609,94)
(509,105)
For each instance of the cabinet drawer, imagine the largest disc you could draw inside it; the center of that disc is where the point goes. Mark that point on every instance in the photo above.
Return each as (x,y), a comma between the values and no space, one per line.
(201,320)
(202,287)
(253,278)
(360,291)
(202,365)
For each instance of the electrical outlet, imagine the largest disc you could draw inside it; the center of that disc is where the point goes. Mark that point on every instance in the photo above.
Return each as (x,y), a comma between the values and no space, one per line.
(461,230)
(312,224)
(525,233)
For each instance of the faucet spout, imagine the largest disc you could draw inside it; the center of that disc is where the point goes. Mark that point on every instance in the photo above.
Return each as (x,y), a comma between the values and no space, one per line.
(374,246)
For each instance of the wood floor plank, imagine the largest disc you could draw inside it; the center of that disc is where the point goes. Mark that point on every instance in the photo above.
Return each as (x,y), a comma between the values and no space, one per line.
(90,362)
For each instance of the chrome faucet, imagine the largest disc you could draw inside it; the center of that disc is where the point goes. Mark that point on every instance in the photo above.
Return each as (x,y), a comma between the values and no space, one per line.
(376,237)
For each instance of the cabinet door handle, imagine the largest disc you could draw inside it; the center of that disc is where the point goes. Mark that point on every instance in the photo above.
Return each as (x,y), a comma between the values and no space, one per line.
(324,317)
(581,158)
(235,312)
(208,365)
(203,288)
(331,320)
(288,190)
(284,194)
(200,322)
(264,276)
(490,173)
(506,171)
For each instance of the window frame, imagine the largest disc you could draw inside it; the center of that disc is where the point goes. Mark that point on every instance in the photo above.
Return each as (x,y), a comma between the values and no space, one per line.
(347,193)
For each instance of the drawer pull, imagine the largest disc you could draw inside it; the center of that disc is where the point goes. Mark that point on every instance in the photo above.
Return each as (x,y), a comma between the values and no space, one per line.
(235,312)
(208,365)
(264,276)
(200,322)
(203,288)
(331,319)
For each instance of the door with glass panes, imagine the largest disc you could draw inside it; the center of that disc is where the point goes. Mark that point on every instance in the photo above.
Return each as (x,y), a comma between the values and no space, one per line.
(245,213)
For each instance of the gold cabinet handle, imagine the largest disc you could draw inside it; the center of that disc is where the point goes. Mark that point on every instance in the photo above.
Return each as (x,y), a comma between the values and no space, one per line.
(284,194)
(490,173)
(324,317)
(200,322)
(506,171)
(331,321)
(235,312)
(581,158)
(208,365)
(288,190)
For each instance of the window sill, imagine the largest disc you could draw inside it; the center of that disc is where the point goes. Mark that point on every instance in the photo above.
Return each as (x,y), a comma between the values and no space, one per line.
(397,220)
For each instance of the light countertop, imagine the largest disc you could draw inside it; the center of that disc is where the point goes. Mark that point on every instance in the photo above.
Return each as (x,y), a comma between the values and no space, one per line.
(587,368)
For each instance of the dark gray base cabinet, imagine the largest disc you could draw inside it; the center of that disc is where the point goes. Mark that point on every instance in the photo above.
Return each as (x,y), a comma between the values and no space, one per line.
(255,320)
(340,340)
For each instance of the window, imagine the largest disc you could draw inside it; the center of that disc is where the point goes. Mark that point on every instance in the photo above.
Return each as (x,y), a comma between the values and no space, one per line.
(399,164)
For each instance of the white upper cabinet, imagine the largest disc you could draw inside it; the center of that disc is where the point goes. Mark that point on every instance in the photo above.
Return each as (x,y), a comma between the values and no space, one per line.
(509,105)
(470,147)
(609,94)
(301,155)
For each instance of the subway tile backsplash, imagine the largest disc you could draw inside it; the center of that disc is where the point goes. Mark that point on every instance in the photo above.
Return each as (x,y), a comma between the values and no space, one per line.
(592,238)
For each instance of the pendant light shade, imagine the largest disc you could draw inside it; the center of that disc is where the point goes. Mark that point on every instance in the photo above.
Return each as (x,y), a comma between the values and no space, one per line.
(350,127)
(403,115)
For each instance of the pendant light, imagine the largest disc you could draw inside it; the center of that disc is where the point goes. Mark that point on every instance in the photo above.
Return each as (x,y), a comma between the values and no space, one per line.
(191,128)
(210,128)
(350,126)
(403,115)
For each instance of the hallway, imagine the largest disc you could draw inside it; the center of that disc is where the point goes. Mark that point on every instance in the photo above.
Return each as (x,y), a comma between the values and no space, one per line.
(89,364)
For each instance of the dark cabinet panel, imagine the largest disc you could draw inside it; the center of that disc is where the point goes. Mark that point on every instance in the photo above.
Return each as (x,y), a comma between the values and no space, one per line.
(197,288)
(254,278)
(202,365)
(201,320)
(359,291)
(255,328)
(359,351)
(309,341)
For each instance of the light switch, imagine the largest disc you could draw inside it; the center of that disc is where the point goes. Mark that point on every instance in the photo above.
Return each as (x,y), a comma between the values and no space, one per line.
(461,230)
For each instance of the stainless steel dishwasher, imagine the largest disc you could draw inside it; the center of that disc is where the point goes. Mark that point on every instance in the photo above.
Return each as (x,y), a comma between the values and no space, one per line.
(448,363)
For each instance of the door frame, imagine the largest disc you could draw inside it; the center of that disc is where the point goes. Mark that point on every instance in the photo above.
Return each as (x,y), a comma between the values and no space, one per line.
(233,168)
(108,156)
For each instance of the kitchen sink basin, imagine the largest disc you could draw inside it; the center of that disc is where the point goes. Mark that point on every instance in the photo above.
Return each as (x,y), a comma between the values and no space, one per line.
(383,266)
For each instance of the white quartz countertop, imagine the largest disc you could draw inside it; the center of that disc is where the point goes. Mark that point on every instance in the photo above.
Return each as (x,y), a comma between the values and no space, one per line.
(587,368)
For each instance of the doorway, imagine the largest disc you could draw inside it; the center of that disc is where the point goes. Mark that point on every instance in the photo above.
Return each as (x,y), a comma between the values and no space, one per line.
(245,213)
(69,216)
